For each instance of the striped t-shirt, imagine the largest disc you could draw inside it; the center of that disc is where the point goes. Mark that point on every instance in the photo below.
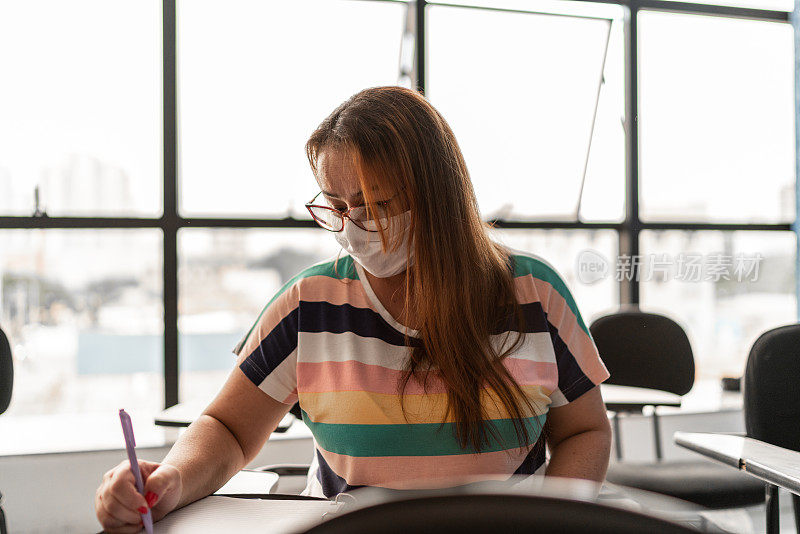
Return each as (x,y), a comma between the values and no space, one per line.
(327,342)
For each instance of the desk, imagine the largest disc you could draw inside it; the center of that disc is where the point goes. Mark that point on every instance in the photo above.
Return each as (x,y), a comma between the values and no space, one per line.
(250,482)
(632,399)
(628,398)
(225,514)
(182,415)
(772,464)
(279,515)
(776,466)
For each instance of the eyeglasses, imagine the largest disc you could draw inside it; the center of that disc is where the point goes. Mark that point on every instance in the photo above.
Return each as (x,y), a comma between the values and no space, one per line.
(331,219)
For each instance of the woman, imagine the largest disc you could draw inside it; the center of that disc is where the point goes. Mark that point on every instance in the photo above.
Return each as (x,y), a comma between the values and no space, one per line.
(425,356)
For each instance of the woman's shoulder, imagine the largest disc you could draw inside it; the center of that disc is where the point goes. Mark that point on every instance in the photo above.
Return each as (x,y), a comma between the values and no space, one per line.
(314,282)
(339,267)
(534,275)
(526,263)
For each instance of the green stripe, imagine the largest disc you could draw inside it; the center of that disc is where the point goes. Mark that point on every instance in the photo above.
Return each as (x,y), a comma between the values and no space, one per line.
(524,265)
(424,439)
(340,269)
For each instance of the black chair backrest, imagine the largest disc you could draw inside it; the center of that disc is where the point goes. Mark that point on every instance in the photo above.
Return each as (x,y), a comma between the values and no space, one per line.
(468,514)
(771,392)
(645,350)
(6,372)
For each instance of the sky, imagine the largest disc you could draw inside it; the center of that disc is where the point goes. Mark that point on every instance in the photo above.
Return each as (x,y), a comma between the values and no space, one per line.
(518,90)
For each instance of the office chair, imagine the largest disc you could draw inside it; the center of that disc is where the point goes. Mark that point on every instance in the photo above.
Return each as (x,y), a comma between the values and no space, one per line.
(468,514)
(771,401)
(6,385)
(652,351)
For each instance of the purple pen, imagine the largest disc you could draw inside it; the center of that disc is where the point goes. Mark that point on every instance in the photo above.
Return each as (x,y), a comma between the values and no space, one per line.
(130,444)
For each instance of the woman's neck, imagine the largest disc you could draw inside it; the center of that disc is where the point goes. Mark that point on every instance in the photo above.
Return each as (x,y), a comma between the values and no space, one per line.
(391,292)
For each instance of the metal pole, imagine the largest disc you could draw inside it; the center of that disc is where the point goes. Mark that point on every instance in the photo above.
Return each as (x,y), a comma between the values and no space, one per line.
(170,219)
(795,20)
(629,236)
(773,510)
(419,48)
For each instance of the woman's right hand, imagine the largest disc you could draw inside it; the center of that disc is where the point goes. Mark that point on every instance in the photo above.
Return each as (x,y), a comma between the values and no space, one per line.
(119,505)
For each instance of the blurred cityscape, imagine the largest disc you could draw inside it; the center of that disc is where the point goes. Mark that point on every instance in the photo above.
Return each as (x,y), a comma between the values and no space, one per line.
(83,308)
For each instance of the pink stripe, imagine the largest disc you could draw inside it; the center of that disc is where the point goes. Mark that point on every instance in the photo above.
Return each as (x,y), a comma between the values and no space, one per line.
(580,345)
(337,292)
(416,472)
(528,373)
(315,377)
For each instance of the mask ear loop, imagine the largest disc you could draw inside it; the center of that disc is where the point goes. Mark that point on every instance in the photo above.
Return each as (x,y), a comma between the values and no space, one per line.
(336,266)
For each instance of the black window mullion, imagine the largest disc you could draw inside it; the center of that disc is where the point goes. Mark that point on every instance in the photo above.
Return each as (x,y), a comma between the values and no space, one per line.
(170,219)
(629,235)
(795,20)
(419,47)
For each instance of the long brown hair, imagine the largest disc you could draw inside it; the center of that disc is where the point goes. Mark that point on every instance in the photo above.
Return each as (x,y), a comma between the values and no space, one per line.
(460,284)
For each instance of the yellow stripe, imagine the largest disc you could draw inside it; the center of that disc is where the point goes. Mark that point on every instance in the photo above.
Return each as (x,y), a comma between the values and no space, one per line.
(366,408)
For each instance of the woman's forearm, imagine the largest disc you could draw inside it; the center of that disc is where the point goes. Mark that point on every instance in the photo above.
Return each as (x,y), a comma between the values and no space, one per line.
(584,455)
(207,454)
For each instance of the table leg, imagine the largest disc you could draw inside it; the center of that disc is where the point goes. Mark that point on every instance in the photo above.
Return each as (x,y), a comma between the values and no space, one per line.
(773,511)
(657,435)
(617,438)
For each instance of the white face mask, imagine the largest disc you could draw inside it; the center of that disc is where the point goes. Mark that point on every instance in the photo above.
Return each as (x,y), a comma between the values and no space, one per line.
(365,247)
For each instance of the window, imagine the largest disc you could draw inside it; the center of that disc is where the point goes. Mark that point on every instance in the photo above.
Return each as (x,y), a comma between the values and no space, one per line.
(80,110)
(83,312)
(227,276)
(717,119)
(251,97)
(724,288)
(522,101)
(109,291)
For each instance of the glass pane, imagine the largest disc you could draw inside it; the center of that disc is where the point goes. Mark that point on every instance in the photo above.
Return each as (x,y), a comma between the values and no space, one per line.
(226,277)
(521,100)
(83,312)
(724,288)
(80,107)
(250,97)
(717,118)
(572,253)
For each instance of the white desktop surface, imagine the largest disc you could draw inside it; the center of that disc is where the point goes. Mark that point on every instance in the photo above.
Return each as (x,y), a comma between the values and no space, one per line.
(613,394)
(770,463)
(226,514)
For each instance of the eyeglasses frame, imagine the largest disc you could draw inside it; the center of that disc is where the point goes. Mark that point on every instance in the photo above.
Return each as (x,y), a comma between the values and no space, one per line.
(342,214)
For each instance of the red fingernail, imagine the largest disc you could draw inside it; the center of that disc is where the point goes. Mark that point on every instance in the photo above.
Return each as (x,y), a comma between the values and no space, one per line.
(151,498)
(142,510)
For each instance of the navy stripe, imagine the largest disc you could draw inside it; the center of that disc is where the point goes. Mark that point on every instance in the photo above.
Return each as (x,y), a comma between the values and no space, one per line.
(332,484)
(570,375)
(365,322)
(272,350)
(534,460)
(253,372)
(535,320)
(336,319)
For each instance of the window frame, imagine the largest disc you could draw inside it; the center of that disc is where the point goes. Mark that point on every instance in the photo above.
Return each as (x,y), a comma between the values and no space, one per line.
(628,229)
